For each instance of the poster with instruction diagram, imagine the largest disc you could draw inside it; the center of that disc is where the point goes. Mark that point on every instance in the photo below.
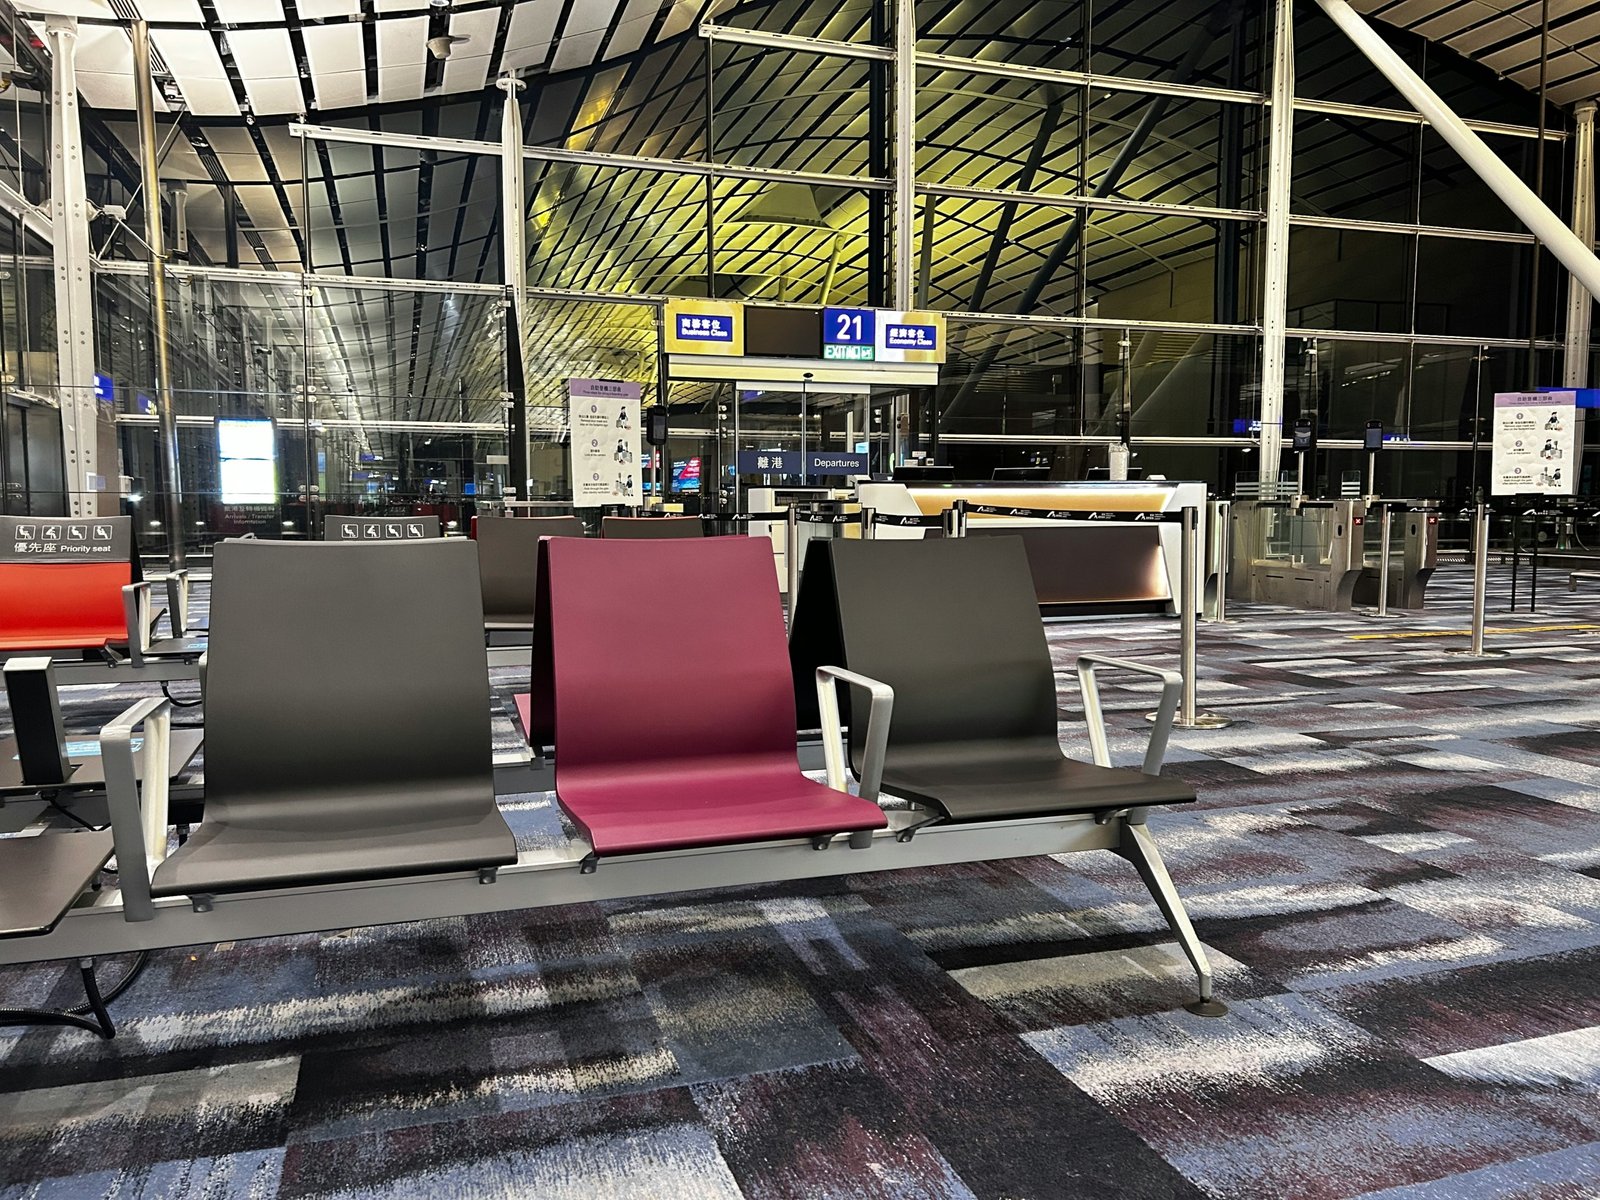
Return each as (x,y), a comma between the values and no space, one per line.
(1536,440)
(603,421)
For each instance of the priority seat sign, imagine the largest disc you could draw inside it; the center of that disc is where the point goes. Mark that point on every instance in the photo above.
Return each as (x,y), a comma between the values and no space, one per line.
(379,529)
(91,539)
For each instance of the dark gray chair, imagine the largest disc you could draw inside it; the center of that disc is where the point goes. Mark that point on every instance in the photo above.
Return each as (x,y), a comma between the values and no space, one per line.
(651,527)
(508,565)
(331,753)
(953,627)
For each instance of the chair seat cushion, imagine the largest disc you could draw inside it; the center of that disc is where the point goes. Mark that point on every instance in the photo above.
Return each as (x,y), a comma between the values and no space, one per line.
(238,858)
(700,802)
(974,781)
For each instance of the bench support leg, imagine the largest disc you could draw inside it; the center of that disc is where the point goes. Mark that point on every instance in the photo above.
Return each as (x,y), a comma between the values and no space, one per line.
(93,1016)
(1139,848)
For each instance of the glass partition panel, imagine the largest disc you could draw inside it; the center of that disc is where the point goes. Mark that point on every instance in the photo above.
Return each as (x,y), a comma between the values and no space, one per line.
(1198,42)
(1158,267)
(619,230)
(1350,279)
(1167,151)
(1046,33)
(1354,168)
(797,111)
(399,213)
(986,131)
(567,339)
(792,242)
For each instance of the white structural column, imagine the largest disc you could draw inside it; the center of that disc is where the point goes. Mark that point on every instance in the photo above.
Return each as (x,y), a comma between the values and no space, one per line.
(514,250)
(1275,277)
(71,254)
(1521,199)
(905,152)
(1580,302)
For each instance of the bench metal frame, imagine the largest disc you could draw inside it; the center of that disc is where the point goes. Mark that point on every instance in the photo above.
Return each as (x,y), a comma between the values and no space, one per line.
(126,918)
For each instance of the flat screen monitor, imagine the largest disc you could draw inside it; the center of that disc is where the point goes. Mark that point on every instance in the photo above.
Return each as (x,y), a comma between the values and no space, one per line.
(782,332)
(247,457)
(1021,474)
(924,474)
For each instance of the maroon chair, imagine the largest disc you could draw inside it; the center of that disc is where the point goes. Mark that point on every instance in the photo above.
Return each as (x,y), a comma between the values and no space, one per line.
(716,768)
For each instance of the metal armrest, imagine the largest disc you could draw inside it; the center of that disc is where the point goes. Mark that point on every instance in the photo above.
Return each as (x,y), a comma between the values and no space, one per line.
(138,817)
(877,739)
(178,601)
(1155,751)
(136,611)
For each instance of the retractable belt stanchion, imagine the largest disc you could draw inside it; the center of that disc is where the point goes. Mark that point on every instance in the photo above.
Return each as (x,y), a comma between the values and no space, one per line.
(791,554)
(1188,715)
(955,520)
(1480,584)
(868,516)
(1383,564)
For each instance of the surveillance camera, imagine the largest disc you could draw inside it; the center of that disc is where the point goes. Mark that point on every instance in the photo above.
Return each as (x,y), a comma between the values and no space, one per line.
(440,47)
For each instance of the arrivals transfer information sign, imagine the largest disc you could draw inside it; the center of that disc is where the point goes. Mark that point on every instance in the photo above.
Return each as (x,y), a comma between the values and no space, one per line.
(1536,440)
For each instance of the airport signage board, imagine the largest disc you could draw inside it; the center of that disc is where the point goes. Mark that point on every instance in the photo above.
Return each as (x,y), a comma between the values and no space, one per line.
(769,462)
(704,327)
(849,334)
(605,450)
(910,337)
(835,462)
(876,335)
(64,539)
(1535,443)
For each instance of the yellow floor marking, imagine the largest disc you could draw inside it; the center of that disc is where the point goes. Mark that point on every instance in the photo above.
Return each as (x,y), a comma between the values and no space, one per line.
(1367,637)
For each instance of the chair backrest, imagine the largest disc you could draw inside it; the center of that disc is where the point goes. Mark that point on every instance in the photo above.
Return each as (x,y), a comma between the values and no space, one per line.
(605,654)
(508,560)
(651,527)
(346,683)
(951,624)
(61,581)
(379,529)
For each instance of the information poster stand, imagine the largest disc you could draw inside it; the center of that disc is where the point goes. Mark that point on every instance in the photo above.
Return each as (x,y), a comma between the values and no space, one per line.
(1536,441)
(607,462)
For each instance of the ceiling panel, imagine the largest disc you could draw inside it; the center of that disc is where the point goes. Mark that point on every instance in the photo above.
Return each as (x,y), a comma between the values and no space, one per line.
(264,59)
(467,68)
(172,10)
(249,12)
(338,74)
(191,55)
(533,28)
(402,51)
(316,10)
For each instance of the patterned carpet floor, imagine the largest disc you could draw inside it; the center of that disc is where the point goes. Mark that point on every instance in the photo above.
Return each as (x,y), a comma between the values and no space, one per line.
(1395,864)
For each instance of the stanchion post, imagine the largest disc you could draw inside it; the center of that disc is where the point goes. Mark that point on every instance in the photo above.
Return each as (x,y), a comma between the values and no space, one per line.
(1480,584)
(1186,600)
(868,515)
(955,520)
(1383,557)
(791,553)
(1188,654)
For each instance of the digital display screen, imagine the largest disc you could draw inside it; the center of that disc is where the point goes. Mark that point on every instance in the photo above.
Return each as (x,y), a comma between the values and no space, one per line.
(247,454)
(686,475)
(782,332)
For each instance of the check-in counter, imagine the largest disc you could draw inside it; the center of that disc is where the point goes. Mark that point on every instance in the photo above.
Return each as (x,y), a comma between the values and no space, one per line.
(1079,566)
